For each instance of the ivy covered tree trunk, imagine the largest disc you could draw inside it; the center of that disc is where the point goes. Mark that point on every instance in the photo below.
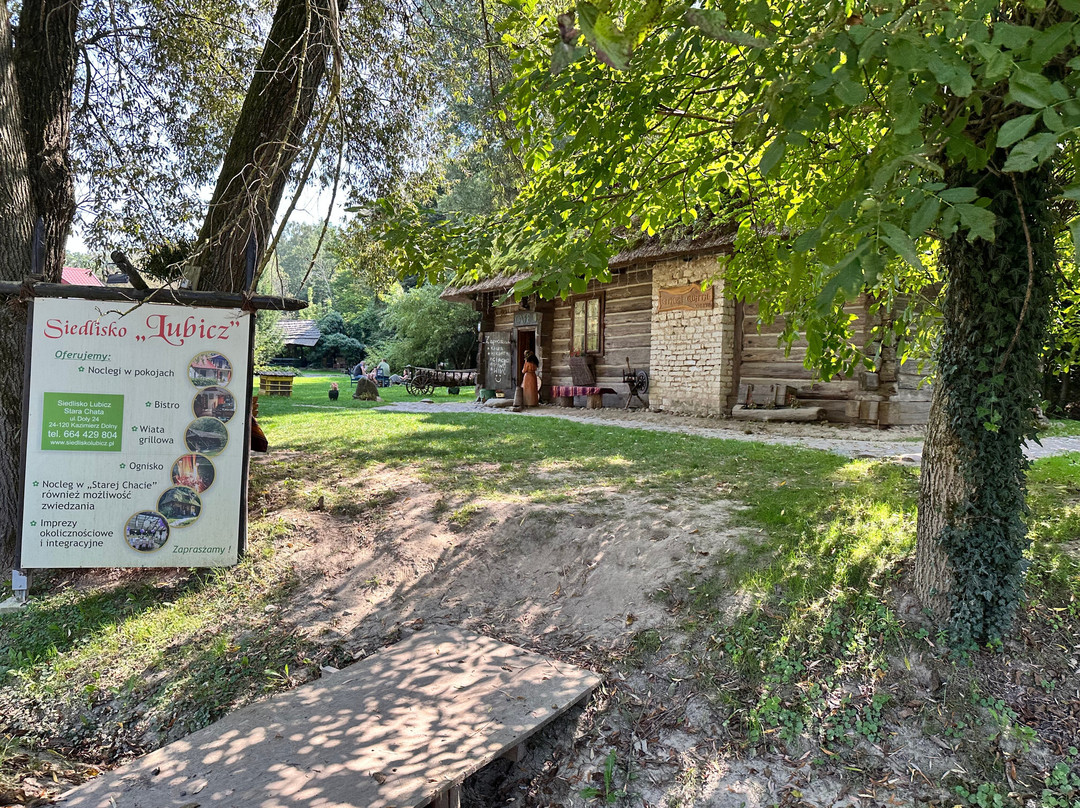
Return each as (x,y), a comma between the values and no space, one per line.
(15,232)
(45,60)
(268,136)
(971,530)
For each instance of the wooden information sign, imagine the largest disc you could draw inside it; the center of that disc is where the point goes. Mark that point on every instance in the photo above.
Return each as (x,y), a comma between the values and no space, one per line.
(685,298)
(497,364)
(135,435)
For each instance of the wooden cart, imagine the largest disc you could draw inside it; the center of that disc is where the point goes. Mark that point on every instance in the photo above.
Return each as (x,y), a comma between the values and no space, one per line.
(423,381)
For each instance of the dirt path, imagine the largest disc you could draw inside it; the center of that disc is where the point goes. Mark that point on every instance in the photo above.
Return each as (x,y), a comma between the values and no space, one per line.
(576,580)
(902,443)
(576,574)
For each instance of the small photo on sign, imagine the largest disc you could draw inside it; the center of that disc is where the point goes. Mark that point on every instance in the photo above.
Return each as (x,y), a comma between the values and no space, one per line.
(207,436)
(209,368)
(180,506)
(146,531)
(216,402)
(193,471)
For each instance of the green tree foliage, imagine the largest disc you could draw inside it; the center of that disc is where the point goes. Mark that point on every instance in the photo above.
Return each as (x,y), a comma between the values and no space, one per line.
(428,330)
(467,167)
(335,347)
(305,262)
(82,259)
(167,84)
(269,339)
(846,143)
(1062,356)
(331,323)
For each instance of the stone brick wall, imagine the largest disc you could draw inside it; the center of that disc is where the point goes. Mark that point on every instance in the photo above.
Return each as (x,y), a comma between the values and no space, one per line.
(692,352)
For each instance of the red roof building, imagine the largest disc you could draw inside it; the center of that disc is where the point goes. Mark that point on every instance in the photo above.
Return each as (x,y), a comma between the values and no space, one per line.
(77,276)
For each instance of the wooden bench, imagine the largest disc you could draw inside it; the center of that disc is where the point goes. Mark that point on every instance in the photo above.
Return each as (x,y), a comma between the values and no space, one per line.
(403,728)
(564,395)
(584,379)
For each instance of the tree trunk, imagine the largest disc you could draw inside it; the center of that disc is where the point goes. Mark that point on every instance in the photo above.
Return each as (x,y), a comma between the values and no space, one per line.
(941,489)
(15,233)
(45,60)
(267,138)
(971,533)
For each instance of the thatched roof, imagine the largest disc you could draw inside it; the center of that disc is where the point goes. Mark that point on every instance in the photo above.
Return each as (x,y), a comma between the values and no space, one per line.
(300,332)
(496,283)
(663,246)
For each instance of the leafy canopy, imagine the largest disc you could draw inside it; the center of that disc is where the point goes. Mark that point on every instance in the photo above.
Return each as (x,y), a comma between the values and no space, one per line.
(159,86)
(823,129)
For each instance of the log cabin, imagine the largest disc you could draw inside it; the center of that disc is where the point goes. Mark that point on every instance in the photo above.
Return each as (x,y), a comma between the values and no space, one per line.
(704,352)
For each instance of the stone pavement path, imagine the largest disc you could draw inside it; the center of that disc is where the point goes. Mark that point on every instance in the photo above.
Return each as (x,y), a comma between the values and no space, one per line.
(904,444)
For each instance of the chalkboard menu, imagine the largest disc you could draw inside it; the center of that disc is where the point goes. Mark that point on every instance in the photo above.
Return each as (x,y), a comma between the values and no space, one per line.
(498,368)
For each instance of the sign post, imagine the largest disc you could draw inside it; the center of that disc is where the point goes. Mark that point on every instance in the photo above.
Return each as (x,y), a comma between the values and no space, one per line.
(135,434)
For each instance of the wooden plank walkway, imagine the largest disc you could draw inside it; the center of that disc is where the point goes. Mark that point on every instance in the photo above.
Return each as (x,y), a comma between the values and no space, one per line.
(396,730)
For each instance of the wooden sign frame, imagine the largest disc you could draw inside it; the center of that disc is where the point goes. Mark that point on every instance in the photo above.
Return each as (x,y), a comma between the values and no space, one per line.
(686,298)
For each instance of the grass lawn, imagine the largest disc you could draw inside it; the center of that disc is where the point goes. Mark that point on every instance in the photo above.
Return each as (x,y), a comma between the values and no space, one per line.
(1062,429)
(161,654)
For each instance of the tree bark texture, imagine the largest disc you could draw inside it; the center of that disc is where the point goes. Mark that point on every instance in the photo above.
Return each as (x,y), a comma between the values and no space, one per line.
(15,235)
(45,59)
(971,531)
(941,489)
(268,137)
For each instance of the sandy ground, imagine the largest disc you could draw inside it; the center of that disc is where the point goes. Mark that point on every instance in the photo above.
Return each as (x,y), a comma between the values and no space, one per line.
(575,581)
(549,576)
(578,581)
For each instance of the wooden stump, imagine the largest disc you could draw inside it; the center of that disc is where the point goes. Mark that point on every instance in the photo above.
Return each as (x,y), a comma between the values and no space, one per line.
(595,401)
(564,401)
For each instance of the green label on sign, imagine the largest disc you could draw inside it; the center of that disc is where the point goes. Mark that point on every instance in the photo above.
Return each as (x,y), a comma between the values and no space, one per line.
(82,422)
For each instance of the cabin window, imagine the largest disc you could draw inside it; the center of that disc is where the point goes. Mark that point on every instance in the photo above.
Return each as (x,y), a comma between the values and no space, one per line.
(586,325)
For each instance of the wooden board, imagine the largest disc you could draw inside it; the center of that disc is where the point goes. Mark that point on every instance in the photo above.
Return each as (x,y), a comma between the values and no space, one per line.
(498,366)
(397,729)
(803,414)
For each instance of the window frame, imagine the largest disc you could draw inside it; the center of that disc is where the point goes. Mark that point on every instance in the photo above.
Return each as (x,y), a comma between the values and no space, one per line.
(584,350)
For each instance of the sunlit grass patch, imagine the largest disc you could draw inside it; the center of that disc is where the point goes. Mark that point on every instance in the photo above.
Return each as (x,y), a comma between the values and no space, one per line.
(1054,499)
(163,660)
(835,536)
(1063,428)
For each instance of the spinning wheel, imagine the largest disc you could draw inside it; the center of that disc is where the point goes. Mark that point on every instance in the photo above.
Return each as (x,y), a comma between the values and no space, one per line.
(637,382)
(641,381)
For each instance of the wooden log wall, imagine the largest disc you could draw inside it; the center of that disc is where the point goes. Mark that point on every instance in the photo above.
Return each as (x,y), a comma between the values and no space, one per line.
(627,333)
(889,395)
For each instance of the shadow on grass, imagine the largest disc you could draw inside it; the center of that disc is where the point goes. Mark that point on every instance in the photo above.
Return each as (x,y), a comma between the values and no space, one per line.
(479,453)
(48,628)
(180,689)
(140,671)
